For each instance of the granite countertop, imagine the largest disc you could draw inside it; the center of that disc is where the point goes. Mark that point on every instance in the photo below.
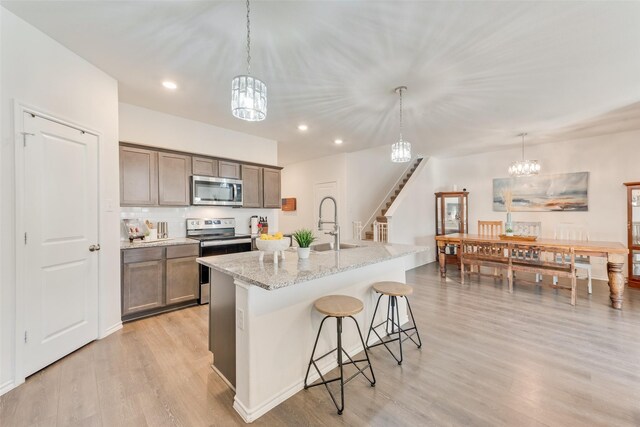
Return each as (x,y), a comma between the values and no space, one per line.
(247,267)
(137,244)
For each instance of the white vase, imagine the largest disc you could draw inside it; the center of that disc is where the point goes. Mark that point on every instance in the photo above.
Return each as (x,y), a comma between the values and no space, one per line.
(303,253)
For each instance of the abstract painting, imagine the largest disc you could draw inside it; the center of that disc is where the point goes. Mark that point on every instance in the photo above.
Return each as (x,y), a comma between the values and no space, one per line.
(556,192)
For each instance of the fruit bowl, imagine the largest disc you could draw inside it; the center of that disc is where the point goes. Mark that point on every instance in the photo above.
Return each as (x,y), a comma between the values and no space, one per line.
(273,245)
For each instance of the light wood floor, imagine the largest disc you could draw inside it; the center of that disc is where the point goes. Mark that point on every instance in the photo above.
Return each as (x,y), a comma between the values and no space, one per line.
(489,358)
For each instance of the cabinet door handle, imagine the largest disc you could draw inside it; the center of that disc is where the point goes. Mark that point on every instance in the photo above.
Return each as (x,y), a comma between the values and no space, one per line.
(98,247)
(92,248)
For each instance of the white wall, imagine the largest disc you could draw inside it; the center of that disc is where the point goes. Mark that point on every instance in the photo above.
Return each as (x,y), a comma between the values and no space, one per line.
(147,127)
(42,73)
(413,219)
(370,175)
(299,179)
(364,178)
(611,160)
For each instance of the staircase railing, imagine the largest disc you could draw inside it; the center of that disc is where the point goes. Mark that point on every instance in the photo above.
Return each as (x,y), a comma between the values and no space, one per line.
(388,195)
(380,231)
(357,230)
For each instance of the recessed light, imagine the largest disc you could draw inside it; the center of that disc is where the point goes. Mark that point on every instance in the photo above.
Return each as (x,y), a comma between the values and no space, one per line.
(303,127)
(169,85)
(338,141)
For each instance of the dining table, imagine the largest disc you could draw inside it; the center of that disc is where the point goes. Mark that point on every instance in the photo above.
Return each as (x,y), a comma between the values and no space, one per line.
(614,252)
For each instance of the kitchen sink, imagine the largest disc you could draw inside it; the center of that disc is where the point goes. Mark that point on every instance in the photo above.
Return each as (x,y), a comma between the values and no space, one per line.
(324,247)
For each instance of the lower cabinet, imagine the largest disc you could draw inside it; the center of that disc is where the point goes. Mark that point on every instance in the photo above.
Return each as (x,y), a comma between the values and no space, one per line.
(158,279)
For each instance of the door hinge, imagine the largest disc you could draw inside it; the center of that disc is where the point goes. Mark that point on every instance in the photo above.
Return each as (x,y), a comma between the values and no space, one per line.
(25,336)
(25,237)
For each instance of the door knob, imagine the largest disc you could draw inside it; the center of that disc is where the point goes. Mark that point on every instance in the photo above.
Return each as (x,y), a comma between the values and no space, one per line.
(92,248)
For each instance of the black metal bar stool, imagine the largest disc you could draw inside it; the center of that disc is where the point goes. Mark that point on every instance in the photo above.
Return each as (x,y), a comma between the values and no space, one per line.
(393,290)
(339,306)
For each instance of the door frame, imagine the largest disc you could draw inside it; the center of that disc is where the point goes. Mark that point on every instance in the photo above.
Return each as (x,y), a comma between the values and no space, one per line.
(19,109)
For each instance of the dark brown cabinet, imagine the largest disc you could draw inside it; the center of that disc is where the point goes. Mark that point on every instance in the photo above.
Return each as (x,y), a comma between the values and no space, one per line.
(205,166)
(142,280)
(228,169)
(452,216)
(174,171)
(251,186)
(138,177)
(271,188)
(155,280)
(182,279)
(633,233)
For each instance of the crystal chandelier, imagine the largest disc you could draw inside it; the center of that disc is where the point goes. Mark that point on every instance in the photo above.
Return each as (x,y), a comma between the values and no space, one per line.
(401,150)
(248,94)
(524,167)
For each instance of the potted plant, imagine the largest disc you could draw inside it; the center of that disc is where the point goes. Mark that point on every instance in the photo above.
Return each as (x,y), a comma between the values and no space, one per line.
(508,230)
(304,237)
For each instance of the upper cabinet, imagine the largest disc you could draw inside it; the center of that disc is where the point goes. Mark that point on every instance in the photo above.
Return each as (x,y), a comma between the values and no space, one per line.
(251,186)
(151,177)
(227,169)
(271,188)
(138,177)
(205,166)
(174,171)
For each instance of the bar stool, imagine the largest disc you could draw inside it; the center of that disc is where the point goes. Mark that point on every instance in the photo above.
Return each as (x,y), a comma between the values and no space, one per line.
(393,290)
(339,306)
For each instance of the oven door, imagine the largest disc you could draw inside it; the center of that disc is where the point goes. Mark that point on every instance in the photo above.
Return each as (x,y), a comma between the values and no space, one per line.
(206,190)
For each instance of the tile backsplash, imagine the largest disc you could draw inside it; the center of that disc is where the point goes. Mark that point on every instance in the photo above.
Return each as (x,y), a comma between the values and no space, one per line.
(176,217)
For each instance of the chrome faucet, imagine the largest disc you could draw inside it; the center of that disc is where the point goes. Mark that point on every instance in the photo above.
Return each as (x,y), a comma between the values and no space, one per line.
(336,228)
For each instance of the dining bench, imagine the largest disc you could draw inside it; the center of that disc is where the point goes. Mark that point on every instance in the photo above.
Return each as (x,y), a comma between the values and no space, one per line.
(525,257)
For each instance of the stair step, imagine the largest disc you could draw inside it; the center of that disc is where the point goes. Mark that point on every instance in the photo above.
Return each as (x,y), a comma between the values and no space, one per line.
(368,235)
(381,219)
(383,211)
(404,181)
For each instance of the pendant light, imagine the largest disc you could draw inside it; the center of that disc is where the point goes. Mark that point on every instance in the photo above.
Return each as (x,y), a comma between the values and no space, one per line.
(248,94)
(401,150)
(524,167)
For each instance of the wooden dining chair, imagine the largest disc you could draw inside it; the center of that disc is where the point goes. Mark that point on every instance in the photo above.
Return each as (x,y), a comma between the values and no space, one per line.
(577,232)
(490,229)
(528,228)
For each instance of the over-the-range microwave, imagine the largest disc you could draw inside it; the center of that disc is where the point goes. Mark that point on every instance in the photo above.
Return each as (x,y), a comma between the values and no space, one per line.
(210,191)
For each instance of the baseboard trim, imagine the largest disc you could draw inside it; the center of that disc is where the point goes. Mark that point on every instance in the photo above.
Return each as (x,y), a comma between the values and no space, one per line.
(7,386)
(110,330)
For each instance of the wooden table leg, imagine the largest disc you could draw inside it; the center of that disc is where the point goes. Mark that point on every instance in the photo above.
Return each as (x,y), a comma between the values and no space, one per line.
(442,259)
(616,279)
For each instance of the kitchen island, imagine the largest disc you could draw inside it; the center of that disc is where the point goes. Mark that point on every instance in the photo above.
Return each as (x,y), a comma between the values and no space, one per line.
(262,323)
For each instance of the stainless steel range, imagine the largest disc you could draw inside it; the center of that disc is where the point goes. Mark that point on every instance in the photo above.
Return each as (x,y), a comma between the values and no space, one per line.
(217,237)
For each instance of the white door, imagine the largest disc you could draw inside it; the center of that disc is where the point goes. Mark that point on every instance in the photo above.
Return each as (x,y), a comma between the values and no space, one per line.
(61,223)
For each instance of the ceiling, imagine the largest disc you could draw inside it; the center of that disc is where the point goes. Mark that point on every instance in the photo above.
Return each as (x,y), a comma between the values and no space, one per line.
(478,73)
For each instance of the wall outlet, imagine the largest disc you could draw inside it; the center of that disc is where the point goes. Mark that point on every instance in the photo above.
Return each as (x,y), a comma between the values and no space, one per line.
(240,319)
